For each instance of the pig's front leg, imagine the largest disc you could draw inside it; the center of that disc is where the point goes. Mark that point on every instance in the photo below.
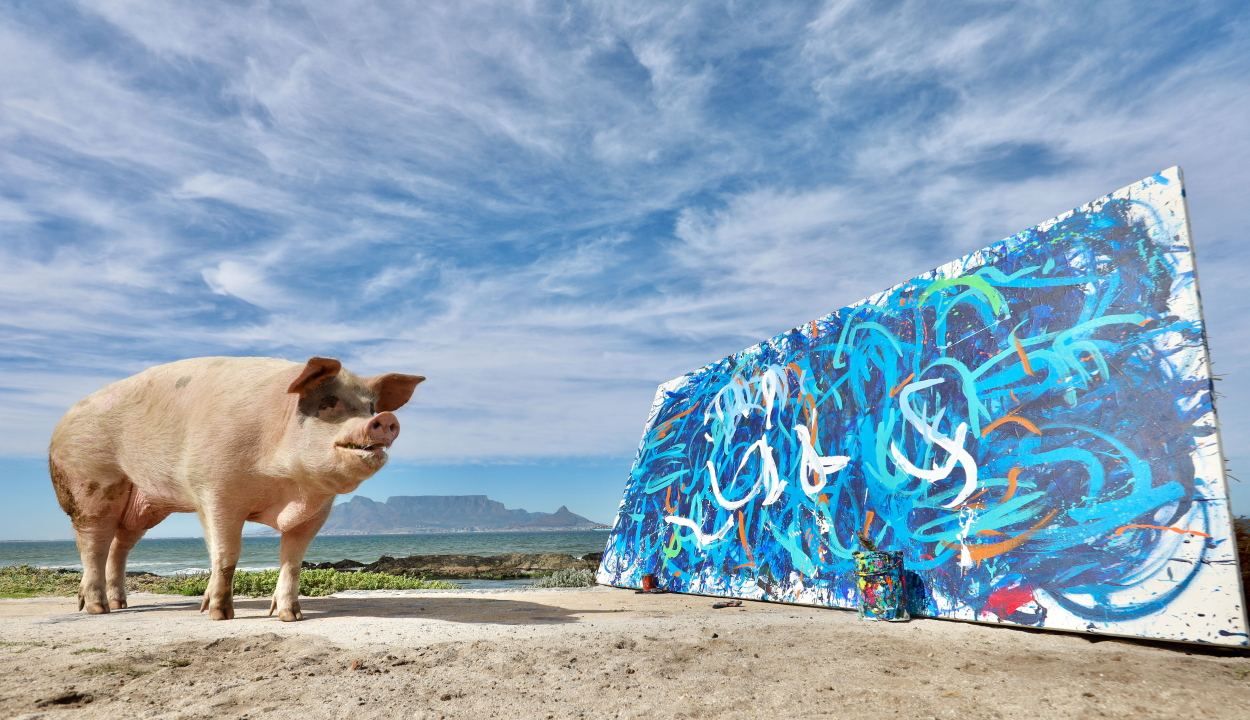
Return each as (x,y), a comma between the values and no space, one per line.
(295,543)
(224,536)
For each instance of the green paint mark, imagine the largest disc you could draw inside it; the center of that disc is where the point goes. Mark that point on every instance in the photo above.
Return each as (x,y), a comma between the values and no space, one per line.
(972,282)
(673,549)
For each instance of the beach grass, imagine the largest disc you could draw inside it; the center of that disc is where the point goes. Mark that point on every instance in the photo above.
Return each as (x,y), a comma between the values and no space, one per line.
(567,578)
(23,581)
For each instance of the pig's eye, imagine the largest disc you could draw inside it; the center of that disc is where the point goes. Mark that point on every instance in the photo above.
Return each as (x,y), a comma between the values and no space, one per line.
(371,410)
(329,402)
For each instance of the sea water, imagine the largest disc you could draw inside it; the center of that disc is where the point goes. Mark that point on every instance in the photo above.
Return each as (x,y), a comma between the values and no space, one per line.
(170,556)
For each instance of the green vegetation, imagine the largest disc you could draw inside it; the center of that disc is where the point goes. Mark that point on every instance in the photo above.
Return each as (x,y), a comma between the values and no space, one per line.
(88,650)
(22,581)
(19,581)
(174,662)
(567,578)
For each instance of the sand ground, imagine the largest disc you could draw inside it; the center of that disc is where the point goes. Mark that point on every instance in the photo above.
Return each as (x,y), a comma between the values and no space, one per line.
(588,653)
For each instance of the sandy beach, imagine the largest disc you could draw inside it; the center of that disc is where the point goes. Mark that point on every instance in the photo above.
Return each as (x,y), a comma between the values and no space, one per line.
(581,653)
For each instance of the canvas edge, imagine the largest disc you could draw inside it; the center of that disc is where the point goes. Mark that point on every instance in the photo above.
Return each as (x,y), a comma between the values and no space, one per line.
(1219,439)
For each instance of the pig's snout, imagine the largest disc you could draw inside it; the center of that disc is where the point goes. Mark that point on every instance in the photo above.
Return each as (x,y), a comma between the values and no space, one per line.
(383,428)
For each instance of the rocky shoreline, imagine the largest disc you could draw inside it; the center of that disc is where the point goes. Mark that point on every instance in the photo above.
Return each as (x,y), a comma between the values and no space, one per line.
(509,566)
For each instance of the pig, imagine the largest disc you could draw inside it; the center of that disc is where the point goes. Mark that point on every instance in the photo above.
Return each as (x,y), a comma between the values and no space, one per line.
(231,439)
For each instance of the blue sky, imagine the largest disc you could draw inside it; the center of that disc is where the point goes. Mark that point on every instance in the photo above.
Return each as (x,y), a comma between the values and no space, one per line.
(549,208)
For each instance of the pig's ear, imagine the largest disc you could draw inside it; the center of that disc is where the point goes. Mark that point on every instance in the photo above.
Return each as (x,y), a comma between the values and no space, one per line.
(393,389)
(316,371)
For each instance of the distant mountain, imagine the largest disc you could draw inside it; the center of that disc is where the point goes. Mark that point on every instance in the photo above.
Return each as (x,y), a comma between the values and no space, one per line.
(443,513)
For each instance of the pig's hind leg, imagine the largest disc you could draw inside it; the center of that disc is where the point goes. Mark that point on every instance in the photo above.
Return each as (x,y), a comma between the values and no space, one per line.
(138,517)
(295,543)
(95,508)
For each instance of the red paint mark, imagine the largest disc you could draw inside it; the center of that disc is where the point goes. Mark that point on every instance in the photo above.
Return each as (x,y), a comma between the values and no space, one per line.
(1010,419)
(1005,601)
(901,385)
(1120,531)
(750,564)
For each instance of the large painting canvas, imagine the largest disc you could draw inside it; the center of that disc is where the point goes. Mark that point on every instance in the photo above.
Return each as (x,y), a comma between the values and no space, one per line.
(1032,425)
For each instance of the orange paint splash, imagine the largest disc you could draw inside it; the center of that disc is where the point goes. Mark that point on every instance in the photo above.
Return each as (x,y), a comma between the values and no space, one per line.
(822,499)
(901,385)
(1120,531)
(1010,419)
(1012,476)
(742,535)
(663,429)
(1024,357)
(868,521)
(968,502)
(991,532)
(989,550)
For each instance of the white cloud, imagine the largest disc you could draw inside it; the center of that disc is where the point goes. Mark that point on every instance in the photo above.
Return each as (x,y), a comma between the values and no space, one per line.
(550,210)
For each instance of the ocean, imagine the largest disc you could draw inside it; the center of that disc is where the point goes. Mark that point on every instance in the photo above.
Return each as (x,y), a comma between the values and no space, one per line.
(169,556)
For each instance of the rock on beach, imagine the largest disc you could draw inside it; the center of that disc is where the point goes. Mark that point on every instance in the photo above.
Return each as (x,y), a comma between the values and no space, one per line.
(507,566)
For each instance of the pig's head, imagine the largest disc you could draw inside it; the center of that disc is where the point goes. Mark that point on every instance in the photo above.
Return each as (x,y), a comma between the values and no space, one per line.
(343,423)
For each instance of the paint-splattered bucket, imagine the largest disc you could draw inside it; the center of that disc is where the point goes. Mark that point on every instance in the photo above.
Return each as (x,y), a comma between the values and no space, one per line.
(882,592)
(648,582)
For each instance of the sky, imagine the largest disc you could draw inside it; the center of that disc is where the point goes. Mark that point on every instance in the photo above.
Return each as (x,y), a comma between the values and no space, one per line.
(550,208)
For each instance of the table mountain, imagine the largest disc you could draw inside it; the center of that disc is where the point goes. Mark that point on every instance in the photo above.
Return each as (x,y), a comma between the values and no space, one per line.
(443,513)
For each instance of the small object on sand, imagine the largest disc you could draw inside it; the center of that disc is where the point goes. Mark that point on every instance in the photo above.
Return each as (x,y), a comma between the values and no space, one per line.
(729,603)
(882,589)
(649,585)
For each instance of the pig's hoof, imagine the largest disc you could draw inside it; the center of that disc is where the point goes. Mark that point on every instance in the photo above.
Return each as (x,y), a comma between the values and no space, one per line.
(94,608)
(290,615)
(117,604)
(220,613)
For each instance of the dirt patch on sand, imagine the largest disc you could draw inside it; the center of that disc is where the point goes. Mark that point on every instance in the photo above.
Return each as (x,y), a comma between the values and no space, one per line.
(597,653)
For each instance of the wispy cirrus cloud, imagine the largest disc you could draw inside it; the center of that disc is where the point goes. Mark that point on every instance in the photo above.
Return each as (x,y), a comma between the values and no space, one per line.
(548,209)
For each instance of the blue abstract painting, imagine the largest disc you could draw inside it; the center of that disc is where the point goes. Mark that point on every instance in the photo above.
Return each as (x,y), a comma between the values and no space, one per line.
(1032,425)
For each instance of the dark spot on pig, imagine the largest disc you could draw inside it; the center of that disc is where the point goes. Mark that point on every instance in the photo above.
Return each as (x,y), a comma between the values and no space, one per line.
(182,382)
(61,484)
(93,487)
(327,403)
(114,491)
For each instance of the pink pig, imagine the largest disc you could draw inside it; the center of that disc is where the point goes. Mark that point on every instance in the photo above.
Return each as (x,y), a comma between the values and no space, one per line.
(232,439)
